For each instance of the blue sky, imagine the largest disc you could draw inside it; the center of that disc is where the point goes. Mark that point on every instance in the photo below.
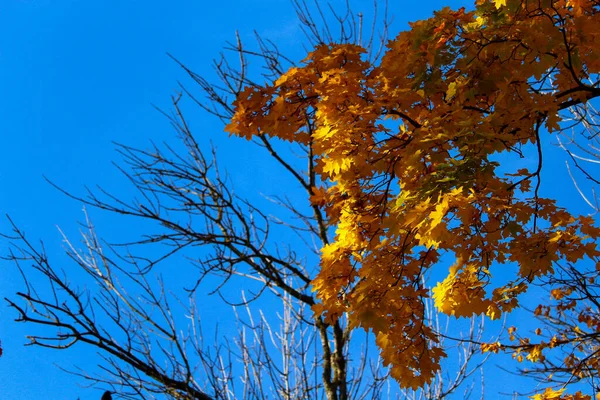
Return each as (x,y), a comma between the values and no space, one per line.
(76,76)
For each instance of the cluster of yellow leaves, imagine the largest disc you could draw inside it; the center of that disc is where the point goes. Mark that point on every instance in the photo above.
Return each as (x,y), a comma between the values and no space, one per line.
(575,336)
(461,87)
(570,346)
(551,394)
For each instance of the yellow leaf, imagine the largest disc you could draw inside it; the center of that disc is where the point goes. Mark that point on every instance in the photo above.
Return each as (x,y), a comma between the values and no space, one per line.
(451,91)
(549,394)
(499,3)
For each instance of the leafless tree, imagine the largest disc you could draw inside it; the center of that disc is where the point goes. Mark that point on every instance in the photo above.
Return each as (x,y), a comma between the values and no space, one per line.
(149,334)
(580,139)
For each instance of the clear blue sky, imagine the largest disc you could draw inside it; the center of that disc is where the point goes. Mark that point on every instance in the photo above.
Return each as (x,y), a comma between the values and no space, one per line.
(76,76)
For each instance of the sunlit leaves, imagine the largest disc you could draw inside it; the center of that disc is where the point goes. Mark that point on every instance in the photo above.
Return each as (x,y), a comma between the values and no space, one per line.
(499,3)
(408,151)
(551,394)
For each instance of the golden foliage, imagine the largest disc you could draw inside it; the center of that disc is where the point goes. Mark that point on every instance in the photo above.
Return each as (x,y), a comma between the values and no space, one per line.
(407,149)
(550,394)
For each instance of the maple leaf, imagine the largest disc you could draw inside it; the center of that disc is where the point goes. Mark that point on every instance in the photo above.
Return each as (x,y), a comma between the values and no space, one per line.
(451,90)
